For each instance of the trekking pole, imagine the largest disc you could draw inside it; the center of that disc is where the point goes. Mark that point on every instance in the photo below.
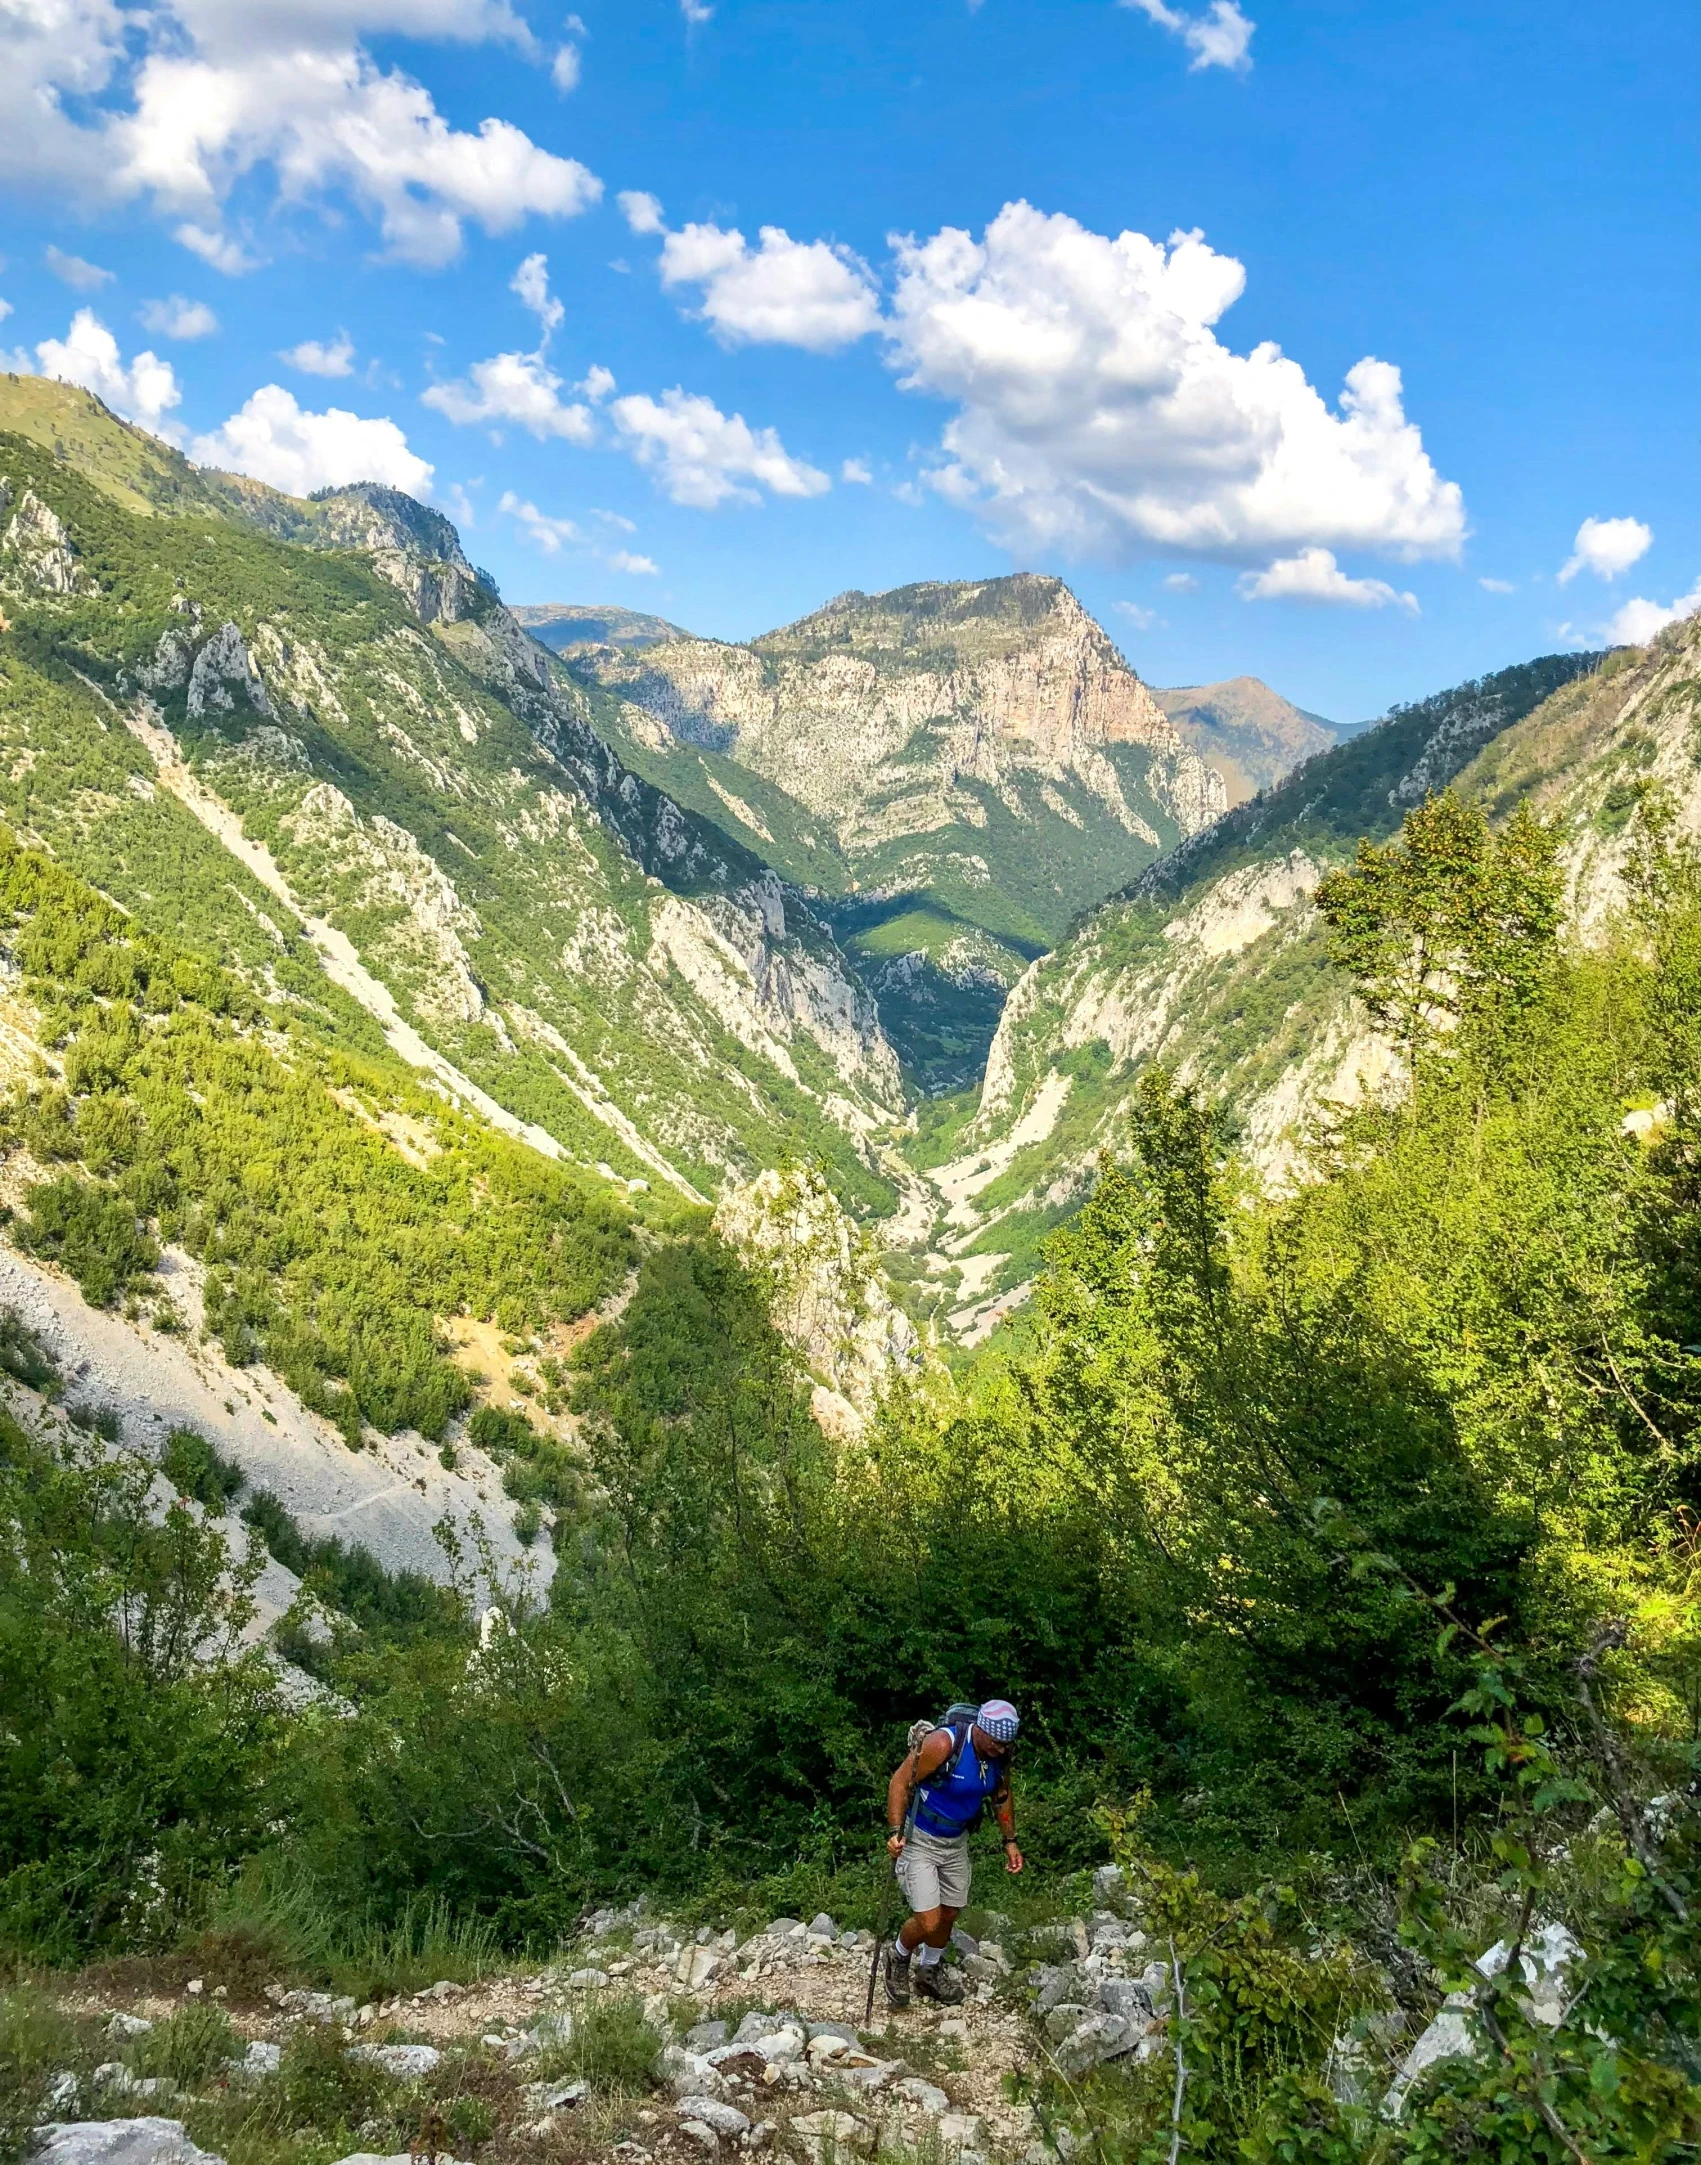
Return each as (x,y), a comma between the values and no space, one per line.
(879,1937)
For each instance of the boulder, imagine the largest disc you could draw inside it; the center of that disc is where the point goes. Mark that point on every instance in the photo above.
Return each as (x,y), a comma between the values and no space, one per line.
(689,2074)
(261,2059)
(1455,2034)
(959,2131)
(1097,2038)
(725,2120)
(824,2135)
(587,1980)
(553,2096)
(921,2096)
(123,2026)
(1058,1982)
(118,2142)
(1110,1886)
(705,2036)
(407,2062)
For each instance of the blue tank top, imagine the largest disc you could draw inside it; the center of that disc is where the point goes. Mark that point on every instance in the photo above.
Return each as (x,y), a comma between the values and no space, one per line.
(948,1804)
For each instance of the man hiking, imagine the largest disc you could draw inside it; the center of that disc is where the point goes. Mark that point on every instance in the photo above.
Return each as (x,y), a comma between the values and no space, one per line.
(933,1800)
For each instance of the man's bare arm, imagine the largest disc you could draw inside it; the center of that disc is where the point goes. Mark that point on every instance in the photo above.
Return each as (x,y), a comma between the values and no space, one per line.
(928,1757)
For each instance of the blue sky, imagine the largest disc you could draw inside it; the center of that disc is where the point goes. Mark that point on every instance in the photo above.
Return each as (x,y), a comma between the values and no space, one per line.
(975,338)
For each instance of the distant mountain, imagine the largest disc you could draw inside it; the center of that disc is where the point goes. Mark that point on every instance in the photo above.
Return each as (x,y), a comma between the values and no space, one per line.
(1249,733)
(563,626)
(965,765)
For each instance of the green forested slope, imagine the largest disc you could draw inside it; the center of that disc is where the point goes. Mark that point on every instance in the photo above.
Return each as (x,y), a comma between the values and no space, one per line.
(541,916)
(1214,961)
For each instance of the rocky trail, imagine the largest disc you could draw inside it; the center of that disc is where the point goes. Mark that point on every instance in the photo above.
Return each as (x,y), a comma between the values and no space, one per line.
(743,2045)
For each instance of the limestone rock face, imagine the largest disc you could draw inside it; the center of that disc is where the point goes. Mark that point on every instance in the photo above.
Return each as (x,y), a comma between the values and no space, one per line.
(894,716)
(36,549)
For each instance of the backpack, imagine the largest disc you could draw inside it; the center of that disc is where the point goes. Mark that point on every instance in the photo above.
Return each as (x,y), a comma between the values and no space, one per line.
(959,1718)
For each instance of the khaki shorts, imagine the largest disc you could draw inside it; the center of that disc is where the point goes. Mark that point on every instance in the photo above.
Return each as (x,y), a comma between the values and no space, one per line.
(934,1872)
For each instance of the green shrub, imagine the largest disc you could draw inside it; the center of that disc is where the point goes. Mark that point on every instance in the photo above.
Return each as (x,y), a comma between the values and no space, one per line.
(613,2048)
(196,1469)
(188,2048)
(91,1232)
(23,1356)
(36,2040)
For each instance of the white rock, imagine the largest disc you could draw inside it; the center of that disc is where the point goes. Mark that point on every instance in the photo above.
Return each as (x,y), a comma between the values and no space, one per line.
(723,2119)
(1455,2034)
(924,2096)
(831,2134)
(62,2091)
(119,2142)
(261,2058)
(128,2026)
(398,2157)
(553,2096)
(407,2061)
(959,2131)
(587,1980)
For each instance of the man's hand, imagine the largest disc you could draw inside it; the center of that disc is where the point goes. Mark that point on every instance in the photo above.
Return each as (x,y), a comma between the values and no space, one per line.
(895,1845)
(1012,1857)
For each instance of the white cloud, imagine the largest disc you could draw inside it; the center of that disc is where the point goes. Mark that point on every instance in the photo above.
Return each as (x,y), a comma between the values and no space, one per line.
(566,69)
(1181,582)
(74,272)
(1099,414)
(1607,547)
(1497,586)
(615,519)
(696,12)
(178,318)
(1314,575)
(181,102)
(513,387)
(813,294)
(639,566)
(277,441)
(704,457)
(596,383)
(220,251)
(641,210)
(1220,38)
(88,354)
(314,357)
(859,471)
(1141,619)
(548,533)
(5,310)
(531,283)
(1637,621)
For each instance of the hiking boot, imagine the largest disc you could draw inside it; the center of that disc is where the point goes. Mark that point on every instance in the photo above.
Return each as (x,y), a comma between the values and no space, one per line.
(897,1977)
(936,1982)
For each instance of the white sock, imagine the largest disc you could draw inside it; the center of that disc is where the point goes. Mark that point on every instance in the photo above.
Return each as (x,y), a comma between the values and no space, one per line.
(927,1956)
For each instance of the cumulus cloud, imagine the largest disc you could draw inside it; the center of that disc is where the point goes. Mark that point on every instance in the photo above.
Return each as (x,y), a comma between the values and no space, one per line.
(641,210)
(279,442)
(318,357)
(1314,575)
(145,392)
(1607,547)
(858,471)
(1099,414)
(517,388)
(703,457)
(1497,586)
(1637,621)
(696,12)
(813,294)
(72,271)
(642,567)
(1181,582)
(181,102)
(548,533)
(522,388)
(566,69)
(5,311)
(178,318)
(1142,619)
(1220,38)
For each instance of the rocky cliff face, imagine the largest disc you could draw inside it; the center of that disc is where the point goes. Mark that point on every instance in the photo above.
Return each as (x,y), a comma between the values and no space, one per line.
(907,723)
